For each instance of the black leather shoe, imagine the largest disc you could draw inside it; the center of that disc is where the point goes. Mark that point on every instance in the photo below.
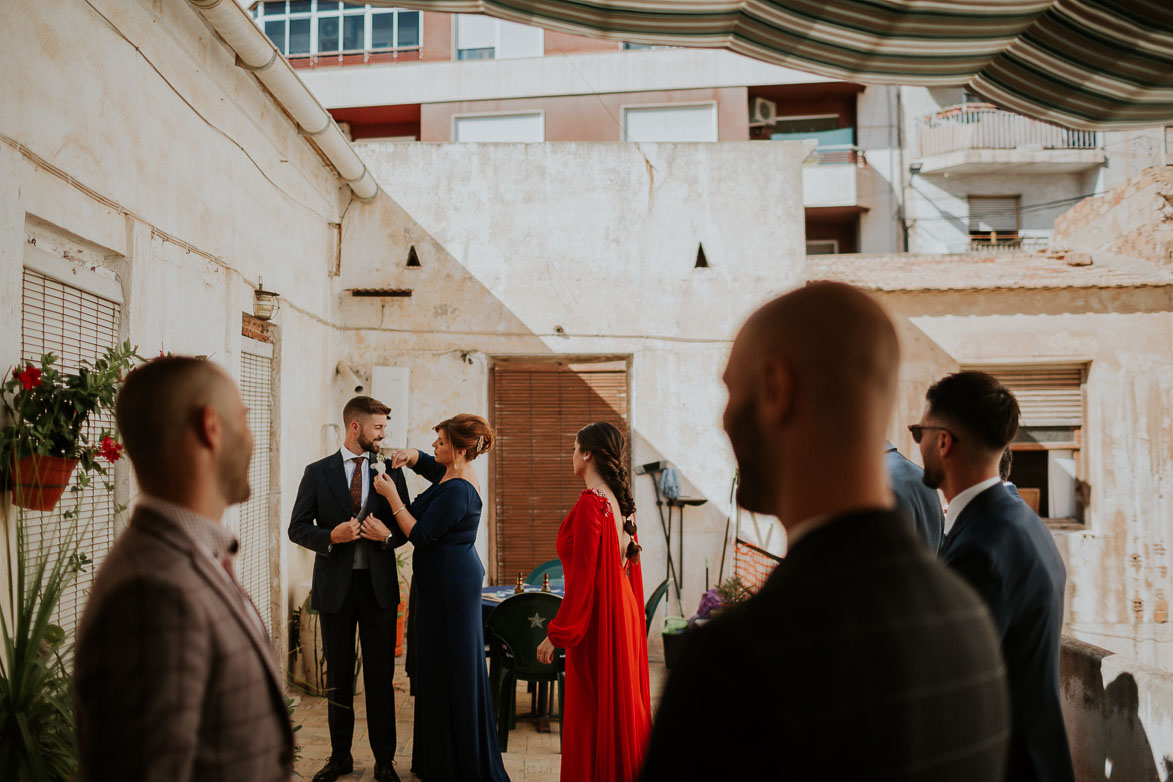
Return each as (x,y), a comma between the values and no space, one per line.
(385,772)
(334,768)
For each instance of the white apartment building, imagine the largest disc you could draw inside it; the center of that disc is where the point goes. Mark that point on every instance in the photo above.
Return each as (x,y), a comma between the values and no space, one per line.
(893,168)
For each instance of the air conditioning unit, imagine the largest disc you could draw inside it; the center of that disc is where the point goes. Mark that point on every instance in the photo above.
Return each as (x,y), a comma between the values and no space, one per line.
(762,112)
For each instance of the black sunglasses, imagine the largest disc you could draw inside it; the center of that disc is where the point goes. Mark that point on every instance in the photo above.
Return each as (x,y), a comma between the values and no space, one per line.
(918,432)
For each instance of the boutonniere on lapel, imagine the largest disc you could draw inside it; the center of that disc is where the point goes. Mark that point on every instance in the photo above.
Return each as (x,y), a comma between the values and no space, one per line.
(380,465)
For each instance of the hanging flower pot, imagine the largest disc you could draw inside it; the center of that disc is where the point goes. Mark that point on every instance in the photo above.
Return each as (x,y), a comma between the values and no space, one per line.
(45,410)
(39,481)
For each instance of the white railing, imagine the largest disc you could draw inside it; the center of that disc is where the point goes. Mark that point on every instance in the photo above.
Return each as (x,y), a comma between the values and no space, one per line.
(836,154)
(1010,245)
(981,126)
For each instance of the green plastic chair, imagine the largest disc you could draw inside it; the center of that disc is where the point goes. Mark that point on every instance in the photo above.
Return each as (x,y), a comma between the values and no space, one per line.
(516,627)
(654,603)
(551,566)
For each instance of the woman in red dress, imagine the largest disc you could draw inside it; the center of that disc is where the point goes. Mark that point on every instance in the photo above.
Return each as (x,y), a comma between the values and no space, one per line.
(600,623)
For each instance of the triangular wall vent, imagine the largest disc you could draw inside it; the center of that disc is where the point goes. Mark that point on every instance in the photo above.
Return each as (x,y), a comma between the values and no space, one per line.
(702,262)
(413,260)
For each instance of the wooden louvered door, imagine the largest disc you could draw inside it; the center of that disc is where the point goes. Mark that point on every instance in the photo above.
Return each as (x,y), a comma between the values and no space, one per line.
(538,407)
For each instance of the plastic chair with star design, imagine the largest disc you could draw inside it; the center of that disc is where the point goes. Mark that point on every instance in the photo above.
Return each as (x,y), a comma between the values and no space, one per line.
(515,628)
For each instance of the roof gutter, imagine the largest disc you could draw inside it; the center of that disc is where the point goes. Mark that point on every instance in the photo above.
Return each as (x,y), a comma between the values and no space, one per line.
(256,53)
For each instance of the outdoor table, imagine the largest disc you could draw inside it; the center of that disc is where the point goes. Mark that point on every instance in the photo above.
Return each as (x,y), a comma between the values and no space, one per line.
(492,595)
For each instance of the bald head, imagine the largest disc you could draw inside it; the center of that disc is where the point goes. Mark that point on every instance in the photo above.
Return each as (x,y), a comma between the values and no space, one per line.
(813,371)
(840,346)
(163,413)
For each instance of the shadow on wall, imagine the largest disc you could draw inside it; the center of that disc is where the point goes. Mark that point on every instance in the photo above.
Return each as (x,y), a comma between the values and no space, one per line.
(548,396)
(1108,740)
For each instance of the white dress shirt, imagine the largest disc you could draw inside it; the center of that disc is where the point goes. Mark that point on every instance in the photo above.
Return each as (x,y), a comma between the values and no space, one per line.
(961,500)
(212,539)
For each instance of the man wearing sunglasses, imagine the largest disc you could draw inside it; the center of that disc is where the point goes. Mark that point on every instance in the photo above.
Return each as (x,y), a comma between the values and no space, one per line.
(998,544)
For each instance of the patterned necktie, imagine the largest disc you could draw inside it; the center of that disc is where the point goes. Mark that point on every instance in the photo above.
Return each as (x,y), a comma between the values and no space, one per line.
(356,486)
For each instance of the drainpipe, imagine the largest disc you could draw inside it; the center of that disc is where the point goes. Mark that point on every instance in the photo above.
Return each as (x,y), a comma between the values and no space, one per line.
(256,53)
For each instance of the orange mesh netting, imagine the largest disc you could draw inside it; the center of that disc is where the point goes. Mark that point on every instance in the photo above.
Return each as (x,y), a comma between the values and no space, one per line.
(754,565)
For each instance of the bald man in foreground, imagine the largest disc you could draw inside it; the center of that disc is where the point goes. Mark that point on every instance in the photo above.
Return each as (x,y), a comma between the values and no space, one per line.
(861,657)
(175,678)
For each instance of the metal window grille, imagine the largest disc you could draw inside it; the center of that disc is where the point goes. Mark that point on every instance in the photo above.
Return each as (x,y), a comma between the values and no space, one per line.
(256,537)
(77,327)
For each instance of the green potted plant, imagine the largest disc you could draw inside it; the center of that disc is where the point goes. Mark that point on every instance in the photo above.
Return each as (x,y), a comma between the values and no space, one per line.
(37,728)
(44,437)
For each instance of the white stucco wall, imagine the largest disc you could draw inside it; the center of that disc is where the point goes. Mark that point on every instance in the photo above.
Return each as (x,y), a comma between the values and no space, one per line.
(171,168)
(516,240)
(881,187)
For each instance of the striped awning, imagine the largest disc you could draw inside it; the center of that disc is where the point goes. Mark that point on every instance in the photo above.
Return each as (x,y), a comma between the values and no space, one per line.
(1089,64)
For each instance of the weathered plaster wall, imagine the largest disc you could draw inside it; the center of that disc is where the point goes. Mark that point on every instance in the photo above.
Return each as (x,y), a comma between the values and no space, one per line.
(599,240)
(1118,580)
(1119,725)
(938,208)
(168,166)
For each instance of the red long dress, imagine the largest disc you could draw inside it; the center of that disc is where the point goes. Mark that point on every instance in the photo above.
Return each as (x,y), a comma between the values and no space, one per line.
(600,624)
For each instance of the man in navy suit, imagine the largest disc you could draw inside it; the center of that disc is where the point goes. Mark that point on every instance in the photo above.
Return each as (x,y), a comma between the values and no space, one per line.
(917,500)
(998,544)
(338,515)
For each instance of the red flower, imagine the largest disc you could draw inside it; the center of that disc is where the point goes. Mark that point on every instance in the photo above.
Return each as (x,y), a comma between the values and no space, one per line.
(111,450)
(29,378)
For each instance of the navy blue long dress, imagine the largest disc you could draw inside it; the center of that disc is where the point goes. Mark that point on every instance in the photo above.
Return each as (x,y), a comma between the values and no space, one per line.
(455,736)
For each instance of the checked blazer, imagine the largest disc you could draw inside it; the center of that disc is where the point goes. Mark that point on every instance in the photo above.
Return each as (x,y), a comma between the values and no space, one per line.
(861,658)
(175,681)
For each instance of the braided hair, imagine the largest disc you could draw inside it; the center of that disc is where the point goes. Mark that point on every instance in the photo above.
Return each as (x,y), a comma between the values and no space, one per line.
(605,443)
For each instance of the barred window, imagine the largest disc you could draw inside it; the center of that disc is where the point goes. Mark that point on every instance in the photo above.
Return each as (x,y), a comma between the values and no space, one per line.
(76,326)
(257,534)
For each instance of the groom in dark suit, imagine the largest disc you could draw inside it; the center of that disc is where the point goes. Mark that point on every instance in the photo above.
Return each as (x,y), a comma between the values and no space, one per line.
(997,543)
(340,516)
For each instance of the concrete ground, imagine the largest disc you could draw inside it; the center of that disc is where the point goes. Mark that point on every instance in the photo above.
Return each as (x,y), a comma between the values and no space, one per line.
(532,756)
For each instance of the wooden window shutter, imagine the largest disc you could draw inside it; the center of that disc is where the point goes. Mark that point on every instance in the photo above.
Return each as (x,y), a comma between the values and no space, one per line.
(538,409)
(1047,396)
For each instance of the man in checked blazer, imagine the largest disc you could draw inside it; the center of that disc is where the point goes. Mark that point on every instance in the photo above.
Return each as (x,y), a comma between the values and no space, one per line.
(175,678)
(339,516)
(861,657)
(1001,547)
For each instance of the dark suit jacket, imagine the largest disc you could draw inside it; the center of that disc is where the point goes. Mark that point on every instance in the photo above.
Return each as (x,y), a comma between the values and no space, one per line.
(921,503)
(1007,554)
(175,681)
(323,502)
(862,657)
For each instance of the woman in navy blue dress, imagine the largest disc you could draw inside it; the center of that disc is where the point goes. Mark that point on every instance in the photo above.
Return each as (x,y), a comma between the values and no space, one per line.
(455,737)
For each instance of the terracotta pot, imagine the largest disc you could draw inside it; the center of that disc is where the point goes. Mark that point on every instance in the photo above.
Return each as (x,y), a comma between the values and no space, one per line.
(39,481)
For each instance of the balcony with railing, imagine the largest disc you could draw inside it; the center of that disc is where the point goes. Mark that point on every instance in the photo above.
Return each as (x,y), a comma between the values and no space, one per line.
(977,138)
(835,175)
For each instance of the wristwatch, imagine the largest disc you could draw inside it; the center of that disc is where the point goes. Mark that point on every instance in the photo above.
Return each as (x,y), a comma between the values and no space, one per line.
(387,540)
